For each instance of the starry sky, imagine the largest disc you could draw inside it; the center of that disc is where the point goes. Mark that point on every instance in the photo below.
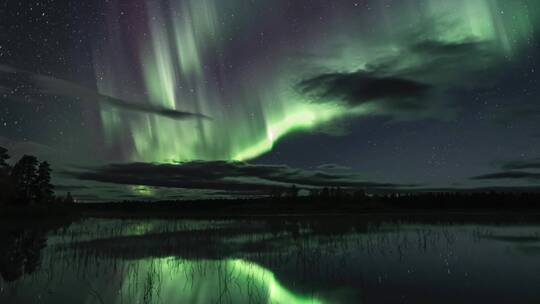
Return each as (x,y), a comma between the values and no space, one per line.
(182,99)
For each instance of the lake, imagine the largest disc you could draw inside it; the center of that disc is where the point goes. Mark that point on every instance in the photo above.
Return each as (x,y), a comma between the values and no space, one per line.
(343,259)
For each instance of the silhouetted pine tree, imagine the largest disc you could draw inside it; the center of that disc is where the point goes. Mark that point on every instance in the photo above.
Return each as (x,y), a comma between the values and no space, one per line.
(43,186)
(24,175)
(6,188)
(325,193)
(4,156)
(69,199)
(293,191)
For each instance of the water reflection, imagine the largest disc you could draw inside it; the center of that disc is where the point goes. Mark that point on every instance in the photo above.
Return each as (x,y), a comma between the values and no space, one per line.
(270,261)
(22,243)
(20,253)
(169,280)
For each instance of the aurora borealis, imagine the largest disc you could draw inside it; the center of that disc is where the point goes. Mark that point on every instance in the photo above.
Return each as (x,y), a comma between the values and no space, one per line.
(188,60)
(183,43)
(443,90)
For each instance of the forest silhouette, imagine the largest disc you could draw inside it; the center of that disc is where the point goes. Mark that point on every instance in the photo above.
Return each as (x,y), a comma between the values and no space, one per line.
(27,182)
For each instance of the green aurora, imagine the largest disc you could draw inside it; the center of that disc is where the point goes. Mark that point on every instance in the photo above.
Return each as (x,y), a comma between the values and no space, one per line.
(255,105)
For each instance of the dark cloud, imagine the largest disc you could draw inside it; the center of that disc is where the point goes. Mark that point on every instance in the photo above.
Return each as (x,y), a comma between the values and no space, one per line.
(333,167)
(146,108)
(221,175)
(413,83)
(17,82)
(519,170)
(521,164)
(70,187)
(516,175)
(362,87)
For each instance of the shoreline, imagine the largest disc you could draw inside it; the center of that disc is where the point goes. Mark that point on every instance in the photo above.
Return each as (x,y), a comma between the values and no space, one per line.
(78,212)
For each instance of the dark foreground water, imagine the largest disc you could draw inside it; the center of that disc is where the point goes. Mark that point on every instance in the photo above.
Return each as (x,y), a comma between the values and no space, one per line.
(281,260)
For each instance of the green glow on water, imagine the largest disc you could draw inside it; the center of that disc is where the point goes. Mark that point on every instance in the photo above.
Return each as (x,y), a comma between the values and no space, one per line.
(277,293)
(170,280)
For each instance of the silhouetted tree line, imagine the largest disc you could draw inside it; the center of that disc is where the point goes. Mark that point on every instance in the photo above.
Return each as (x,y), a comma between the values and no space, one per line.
(330,200)
(326,193)
(28,182)
(462,200)
(337,196)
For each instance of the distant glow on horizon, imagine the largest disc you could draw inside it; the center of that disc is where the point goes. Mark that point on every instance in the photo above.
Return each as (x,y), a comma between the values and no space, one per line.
(143,190)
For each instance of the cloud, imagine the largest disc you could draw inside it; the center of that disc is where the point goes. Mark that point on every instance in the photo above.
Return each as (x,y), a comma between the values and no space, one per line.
(413,81)
(333,167)
(519,170)
(14,80)
(519,175)
(70,187)
(521,164)
(221,175)
(361,87)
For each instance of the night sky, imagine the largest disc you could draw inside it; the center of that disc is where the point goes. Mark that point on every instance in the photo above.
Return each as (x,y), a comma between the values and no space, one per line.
(183,99)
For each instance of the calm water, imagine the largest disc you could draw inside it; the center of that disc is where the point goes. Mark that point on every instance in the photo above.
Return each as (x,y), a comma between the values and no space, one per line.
(269,261)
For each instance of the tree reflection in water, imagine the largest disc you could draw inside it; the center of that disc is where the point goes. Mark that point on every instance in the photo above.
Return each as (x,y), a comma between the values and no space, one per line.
(21,252)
